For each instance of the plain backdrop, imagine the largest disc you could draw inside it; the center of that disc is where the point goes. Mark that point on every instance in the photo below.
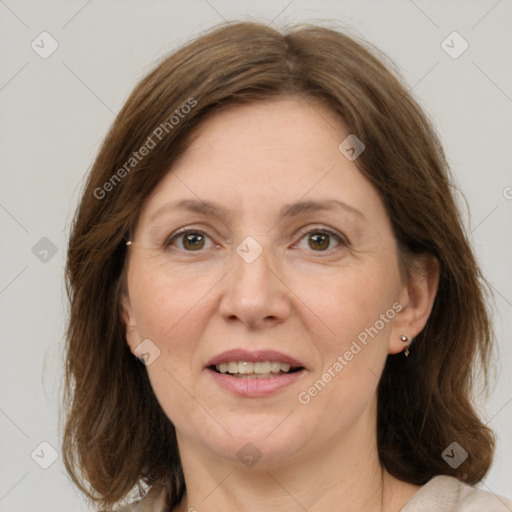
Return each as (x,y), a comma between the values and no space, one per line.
(56,110)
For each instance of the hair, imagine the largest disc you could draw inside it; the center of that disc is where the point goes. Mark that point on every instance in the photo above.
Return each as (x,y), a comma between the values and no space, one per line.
(116,436)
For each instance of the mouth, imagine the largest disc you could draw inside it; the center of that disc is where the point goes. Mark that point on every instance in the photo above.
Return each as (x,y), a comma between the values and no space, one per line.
(254,374)
(254,370)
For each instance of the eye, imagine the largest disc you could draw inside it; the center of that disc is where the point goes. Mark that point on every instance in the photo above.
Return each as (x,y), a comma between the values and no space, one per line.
(321,240)
(190,240)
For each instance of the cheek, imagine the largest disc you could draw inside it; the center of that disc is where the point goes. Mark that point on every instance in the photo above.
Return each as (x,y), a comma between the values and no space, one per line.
(168,305)
(356,303)
(171,311)
(358,307)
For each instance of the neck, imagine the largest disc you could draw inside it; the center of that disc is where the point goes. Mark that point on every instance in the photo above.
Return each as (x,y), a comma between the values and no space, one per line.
(337,475)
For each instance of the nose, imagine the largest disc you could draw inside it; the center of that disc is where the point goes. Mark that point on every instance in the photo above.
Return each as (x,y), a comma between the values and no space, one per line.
(255,294)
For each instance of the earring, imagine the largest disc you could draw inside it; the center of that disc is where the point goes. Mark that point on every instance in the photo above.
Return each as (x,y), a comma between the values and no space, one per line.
(129,242)
(405,339)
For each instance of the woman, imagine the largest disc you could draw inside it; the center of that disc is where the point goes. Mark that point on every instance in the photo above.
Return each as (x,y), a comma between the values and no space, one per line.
(273,303)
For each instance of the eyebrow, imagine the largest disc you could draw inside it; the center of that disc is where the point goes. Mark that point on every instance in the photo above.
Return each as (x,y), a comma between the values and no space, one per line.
(295,209)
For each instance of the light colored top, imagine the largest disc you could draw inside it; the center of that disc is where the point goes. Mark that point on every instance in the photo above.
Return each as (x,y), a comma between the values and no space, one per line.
(447,494)
(440,494)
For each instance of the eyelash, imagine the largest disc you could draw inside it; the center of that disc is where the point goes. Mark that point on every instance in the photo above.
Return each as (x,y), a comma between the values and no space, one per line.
(322,230)
(325,231)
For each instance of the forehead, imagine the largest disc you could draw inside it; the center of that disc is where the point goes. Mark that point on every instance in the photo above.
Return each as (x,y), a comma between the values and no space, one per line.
(267,153)
(284,128)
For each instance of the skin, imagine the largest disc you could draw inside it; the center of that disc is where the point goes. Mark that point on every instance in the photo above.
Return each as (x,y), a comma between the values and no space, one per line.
(308,303)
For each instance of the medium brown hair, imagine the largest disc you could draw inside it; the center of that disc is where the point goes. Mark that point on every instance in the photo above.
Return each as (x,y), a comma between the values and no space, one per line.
(116,435)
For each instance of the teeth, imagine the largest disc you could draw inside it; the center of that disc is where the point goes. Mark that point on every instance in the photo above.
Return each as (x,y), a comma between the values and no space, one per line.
(249,368)
(262,367)
(245,367)
(275,366)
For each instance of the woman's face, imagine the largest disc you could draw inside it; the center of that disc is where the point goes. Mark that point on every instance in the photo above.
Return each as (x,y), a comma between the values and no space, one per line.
(288,259)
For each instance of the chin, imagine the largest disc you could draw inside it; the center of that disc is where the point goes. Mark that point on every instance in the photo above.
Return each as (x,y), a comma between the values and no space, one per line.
(259,437)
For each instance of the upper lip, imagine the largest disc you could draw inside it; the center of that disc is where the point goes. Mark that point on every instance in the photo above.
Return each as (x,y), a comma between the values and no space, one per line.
(253,356)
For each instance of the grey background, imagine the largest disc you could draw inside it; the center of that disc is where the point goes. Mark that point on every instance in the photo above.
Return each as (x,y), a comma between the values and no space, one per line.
(55,112)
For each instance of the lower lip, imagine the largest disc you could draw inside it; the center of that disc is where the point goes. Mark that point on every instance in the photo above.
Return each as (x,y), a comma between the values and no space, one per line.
(255,388)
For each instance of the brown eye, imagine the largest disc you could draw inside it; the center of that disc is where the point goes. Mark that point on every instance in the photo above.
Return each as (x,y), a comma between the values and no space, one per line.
(193,241)
(189,241)
(319,241)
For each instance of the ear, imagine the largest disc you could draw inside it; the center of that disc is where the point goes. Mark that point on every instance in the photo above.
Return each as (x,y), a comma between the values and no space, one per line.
(130,323)
(417,299)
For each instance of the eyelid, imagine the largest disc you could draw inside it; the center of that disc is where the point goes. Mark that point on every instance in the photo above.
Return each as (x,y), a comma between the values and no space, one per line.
(303,232)
(168,241)
(323,229)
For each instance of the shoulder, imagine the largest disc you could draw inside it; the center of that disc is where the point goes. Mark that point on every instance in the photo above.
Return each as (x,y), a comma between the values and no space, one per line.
(447,494)
(150,503)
